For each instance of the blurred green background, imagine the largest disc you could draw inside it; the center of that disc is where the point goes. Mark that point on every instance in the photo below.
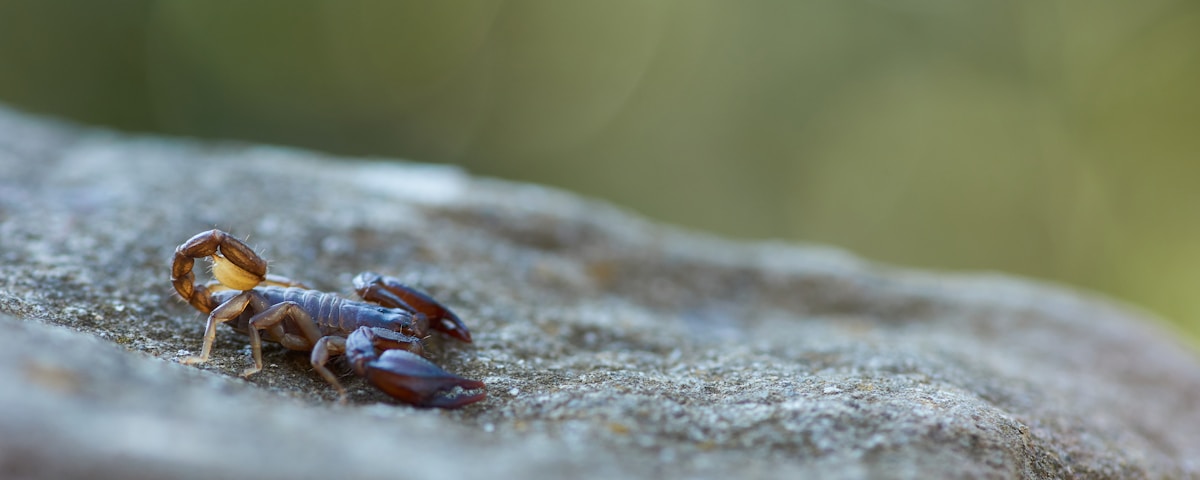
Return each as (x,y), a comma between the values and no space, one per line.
(1054,139)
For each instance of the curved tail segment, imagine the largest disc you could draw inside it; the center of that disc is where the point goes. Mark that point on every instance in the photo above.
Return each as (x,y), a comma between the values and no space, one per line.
(389,292)
(407,376)
(235,265)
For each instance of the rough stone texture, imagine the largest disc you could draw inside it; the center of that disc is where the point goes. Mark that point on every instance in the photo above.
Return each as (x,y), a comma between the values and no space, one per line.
(612,347)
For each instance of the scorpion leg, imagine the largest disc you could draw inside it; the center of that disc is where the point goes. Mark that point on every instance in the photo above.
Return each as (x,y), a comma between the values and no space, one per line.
(272,318)
(406,375)
(325,348)
(224,312)
(333,345)
(389,292)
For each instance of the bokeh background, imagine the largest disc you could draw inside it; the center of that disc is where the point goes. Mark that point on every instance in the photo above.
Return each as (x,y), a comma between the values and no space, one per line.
(1053,139)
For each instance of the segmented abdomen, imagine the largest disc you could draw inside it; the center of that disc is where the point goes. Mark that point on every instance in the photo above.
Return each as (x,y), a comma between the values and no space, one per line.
(336,315)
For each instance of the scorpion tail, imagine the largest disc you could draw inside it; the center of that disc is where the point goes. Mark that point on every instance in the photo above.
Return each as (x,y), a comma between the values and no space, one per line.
(410,378)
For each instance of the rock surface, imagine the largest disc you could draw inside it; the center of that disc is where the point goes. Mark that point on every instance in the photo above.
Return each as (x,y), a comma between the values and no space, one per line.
(612,347)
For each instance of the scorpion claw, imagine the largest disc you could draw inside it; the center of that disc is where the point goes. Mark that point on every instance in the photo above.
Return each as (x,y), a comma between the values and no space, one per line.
(389,292)
(408,377)
(451,325)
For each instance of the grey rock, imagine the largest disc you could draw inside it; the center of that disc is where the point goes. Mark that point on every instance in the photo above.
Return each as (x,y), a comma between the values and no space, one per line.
(612,347)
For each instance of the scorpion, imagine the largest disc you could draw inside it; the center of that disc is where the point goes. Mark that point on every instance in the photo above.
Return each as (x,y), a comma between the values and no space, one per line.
(380,336)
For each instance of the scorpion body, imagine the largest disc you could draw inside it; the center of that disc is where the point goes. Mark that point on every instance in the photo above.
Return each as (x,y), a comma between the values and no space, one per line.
(379,336)
(332,314)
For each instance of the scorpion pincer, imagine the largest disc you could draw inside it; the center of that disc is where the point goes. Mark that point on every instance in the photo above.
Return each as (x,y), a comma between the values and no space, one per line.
(379,336)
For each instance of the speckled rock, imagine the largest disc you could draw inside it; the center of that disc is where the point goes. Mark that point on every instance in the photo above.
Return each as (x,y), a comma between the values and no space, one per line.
(612,347)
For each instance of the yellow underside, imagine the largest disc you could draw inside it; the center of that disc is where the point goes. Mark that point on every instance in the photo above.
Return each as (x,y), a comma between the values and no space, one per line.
(232,276)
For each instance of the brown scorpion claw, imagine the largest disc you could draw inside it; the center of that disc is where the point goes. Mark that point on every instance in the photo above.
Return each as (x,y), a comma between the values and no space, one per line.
(389,292)
(405,375)
(410,378)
